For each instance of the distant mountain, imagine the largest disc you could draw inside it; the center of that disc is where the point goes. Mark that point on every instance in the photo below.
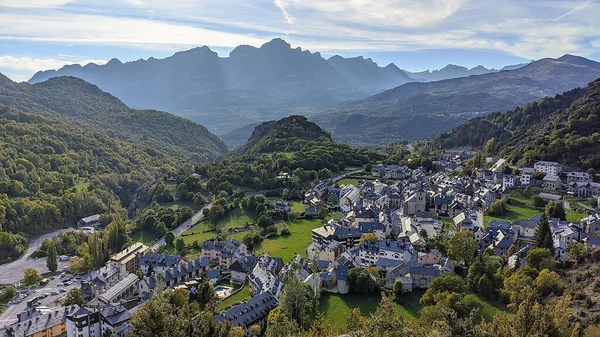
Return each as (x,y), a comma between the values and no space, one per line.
(252,85)
(453,71)
(418,110)
(239,136)
(83,105)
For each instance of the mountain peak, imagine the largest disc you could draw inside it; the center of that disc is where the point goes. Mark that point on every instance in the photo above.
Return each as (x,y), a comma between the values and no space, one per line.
(276,43)
(4,79)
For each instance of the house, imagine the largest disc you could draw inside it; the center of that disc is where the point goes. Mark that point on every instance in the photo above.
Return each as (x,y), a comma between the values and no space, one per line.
(241,267)
(126,288)
(281,206)
(186,272)
(549,197)
(579,177)
(264,277)
(128,260)
(371,251)
(47,323)
(376,228)
(583,189)
(248,313)
(89,322)
(214,275)
(89,221)
(422,275)
(112,317)
(508,180)
(429,258)
(331,252)
(548,167)
(396,273)
(552,182)
(223,253)
(160,262)
(462,221)
(526,228)
(349,237)
(525,176)
(350,197)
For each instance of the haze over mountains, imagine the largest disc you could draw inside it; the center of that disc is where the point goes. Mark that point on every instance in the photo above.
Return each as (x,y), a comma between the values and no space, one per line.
(417,110)
(231,95)
(249,86)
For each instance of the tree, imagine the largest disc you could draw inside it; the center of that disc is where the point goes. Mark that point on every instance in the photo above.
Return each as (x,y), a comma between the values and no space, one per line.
(386,321)
(179,245)
(158,318)
(548,282)
(462,247)
(161,229)
(298,300)
(497,208)
(543,235)
(51,255)
(369,237)
(447,283)
(538,202)
(485,287)
(8,294)
(74,297)
(540,258)
(254,330)
(150,270)
(323,213)
(360,281)
(576,250)
(265,221)
(398,290)
(555,209)
(279,324)
(179,297)
(237,331)
(355,321)
(169,238)
(31,277)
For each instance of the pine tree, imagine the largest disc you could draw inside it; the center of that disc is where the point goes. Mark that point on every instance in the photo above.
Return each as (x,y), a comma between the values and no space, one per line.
(51,256)
(543,235)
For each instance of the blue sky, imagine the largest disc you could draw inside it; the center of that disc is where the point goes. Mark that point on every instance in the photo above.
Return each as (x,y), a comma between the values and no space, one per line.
(414,34)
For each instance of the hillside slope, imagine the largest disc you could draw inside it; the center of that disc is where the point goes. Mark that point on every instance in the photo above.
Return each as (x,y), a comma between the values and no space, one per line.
(570,135)
(85,105)
(417,110)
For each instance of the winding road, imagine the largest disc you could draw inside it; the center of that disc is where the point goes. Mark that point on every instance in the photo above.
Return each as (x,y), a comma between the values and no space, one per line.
(189,223)
(12,272)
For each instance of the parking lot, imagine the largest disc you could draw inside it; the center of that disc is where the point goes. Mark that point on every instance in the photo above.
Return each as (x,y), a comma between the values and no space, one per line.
(55,293)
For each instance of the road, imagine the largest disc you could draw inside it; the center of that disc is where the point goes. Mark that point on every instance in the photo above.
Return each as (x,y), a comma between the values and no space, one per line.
(11,273)
(189,223)
(342,176)
(9,316)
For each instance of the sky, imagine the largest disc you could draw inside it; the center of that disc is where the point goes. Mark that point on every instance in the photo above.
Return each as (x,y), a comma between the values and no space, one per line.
(414,34)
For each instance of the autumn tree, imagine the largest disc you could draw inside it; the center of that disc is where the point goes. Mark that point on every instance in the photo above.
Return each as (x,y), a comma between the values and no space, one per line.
(74,297)
(280,324)
(31,277)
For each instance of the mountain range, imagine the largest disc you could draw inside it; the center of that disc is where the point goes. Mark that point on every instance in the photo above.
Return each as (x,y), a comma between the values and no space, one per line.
(455,71)
(418,110)
(250,86)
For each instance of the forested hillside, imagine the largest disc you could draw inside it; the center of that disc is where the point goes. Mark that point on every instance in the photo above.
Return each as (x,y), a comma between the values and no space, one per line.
(292,145)
(501,126)
(570,136)
(68,150)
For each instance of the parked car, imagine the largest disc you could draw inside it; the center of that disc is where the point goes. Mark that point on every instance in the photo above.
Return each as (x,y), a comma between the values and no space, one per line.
(60,284)
(54,292)
(63,290)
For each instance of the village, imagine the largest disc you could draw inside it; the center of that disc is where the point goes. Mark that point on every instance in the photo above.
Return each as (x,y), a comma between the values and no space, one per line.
(388,219)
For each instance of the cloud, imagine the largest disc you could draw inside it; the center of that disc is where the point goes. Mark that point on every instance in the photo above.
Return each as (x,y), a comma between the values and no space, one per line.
(22,68)
(98,29)
(282,6)
(577,8)
(34,3)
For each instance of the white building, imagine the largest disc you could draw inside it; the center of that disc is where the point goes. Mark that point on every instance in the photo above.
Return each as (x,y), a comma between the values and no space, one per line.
(548,167)
(525,176)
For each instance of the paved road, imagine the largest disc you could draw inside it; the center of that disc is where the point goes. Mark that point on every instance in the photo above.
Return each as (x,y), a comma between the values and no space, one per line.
(12,272)
(9,316)
(342,176)
(189,223)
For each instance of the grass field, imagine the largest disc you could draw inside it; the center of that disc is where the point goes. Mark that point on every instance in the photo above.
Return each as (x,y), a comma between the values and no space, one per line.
(515,212)
(238,218)
(146,237)
(286,246)
(346,181)
(177,204)
(241,295)
(337,307)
